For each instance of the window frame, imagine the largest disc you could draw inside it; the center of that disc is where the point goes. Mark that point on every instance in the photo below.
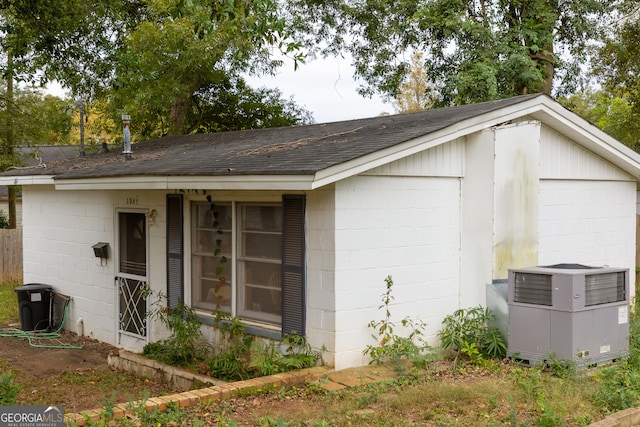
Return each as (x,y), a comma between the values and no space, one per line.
(194,279)
(196,257)
(293,257)
(241,283)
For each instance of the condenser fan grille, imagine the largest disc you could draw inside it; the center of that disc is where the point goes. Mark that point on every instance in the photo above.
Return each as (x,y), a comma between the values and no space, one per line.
(531,288)
(604,288)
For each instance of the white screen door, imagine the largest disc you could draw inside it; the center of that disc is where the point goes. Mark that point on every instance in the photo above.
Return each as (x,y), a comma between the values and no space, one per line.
(132,276)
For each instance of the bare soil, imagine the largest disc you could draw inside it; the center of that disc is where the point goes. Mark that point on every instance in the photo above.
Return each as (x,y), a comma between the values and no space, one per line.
(78,379)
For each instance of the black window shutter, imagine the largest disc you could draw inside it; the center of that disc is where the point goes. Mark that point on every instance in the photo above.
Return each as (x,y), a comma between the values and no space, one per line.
(293,264)
(175,250)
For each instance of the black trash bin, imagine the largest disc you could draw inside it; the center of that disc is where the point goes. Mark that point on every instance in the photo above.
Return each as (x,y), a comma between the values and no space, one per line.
(34,304)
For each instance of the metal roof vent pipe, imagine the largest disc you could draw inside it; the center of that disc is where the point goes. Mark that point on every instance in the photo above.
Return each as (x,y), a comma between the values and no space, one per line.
(126,122)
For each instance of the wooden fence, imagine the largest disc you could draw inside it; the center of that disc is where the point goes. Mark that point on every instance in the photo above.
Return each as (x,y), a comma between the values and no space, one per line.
(11,255)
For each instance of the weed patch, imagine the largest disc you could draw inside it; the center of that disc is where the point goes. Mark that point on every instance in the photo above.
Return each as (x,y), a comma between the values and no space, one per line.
(9,306)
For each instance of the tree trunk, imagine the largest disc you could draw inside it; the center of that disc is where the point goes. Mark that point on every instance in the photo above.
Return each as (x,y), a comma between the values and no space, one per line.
(178,116)
(10,141)
(546,62)
(13,197)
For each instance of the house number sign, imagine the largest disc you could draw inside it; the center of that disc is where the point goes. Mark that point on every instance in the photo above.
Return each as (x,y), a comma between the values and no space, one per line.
(132,201)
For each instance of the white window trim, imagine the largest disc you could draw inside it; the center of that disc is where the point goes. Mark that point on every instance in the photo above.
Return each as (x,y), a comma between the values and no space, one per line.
(222,197)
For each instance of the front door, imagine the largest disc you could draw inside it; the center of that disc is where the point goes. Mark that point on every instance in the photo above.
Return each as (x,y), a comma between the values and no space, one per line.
(132,277)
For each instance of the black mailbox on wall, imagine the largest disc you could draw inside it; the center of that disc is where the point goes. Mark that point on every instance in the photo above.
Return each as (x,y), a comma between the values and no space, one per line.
(101,250)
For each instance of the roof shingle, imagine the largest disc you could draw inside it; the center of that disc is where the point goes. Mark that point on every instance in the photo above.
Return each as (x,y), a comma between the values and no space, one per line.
(298,150)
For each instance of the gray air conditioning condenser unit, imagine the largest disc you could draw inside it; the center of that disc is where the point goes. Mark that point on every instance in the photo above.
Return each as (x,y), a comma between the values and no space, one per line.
(571,312)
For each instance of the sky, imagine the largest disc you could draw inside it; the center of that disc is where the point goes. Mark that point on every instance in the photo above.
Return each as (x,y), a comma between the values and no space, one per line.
(325,87)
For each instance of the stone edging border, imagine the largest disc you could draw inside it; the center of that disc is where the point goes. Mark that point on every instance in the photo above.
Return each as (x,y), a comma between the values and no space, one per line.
(627,418)
(194,397)
(148,368)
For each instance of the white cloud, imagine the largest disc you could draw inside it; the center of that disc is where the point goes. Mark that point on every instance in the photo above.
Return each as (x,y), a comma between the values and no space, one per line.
(327,88)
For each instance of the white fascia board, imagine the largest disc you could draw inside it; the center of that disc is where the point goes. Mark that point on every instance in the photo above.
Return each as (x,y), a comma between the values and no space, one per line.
(416,145)
(27,180)
(235,182)
(541,108)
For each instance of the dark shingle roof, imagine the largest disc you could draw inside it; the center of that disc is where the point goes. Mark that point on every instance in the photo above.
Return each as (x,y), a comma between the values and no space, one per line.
(299,150)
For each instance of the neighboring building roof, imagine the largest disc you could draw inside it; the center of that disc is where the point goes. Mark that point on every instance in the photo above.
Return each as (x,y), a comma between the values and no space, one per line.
(40,156)
(305,157)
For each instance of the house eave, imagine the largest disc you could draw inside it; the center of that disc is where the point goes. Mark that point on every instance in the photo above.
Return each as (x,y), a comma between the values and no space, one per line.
(232,182)
(27,180)
(589,137)
(541,108)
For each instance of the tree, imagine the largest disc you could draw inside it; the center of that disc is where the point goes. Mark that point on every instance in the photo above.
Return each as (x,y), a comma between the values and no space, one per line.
(615,105)
(28,119)
(185,48)
(74,41)
(148,57)
(416,91)
(229,105)
(612,113)
(617,66)
(232,105)
(476,50)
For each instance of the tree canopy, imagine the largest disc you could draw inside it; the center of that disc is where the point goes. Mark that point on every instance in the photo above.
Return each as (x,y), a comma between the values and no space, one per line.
(416,92)
(475,50)
(151,59)
(614,105)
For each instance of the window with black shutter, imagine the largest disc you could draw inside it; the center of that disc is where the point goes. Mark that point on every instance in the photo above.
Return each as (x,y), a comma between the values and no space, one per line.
(175,250)
(293,264)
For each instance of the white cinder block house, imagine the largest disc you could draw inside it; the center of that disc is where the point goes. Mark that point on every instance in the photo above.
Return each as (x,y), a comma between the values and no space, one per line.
(313,218)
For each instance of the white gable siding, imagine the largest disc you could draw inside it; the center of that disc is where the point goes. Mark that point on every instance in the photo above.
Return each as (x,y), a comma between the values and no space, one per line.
(408,228)
(561,158)
(442,160)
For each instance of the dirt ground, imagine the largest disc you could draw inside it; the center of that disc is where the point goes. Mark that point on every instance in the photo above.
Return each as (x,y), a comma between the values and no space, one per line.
(78,379)
(44,362)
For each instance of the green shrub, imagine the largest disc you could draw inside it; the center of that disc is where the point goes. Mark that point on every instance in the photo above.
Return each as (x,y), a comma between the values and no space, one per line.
(241,356)
(392,347)
(231,359)
(617,387)
(291,353)
(466,327)
(4,220)
(9,389)
(183,347)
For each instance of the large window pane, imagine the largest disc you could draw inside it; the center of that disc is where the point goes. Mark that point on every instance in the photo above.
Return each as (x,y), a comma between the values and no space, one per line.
(259,263)
(212,256)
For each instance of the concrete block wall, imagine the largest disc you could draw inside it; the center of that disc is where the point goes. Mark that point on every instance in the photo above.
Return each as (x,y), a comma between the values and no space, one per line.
(406,227)
(588,222)
(320,240)
(60,228)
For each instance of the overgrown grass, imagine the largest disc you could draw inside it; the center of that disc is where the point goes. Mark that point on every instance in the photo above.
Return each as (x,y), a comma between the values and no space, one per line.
(9,306)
